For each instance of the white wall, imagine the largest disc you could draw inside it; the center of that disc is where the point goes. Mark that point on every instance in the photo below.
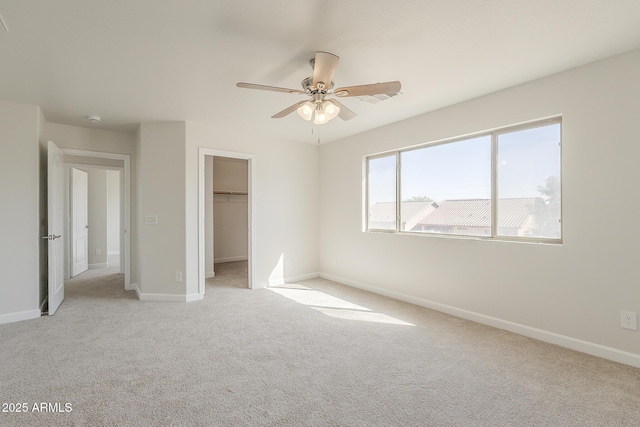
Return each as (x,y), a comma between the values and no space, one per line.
(161,247)
(576,289)
(20,213)
(81,138)
(230,213)
(286,176)
(230,174)
(113,212)
(230,228)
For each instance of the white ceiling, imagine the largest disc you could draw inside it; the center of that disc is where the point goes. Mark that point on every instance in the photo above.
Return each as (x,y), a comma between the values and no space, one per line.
(131,61)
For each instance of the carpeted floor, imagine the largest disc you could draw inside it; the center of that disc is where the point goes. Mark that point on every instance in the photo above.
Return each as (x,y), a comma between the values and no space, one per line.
(314,353)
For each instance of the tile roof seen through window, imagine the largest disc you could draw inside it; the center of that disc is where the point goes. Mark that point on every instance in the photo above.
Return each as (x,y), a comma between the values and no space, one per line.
(477,212)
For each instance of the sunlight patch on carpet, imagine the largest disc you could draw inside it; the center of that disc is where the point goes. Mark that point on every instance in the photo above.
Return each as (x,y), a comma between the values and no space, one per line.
(333,306)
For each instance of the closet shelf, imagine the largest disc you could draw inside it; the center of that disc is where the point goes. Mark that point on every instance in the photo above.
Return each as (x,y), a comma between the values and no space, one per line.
(231,193)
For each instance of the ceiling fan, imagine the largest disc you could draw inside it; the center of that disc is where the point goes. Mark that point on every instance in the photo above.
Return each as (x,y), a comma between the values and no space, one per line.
(320,108)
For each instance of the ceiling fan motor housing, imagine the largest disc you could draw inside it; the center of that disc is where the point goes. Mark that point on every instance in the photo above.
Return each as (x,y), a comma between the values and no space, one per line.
(307,86)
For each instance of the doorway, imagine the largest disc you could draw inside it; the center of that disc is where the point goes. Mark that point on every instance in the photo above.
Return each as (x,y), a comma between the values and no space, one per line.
(230,220)
(235,193)
(109,223)
(94,217)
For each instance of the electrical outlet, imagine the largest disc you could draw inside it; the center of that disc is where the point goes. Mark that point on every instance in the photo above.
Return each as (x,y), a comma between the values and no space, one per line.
(333,261)
(178,276)
(629,320)
(97,251)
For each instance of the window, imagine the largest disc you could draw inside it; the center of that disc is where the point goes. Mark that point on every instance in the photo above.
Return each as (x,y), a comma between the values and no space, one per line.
(455,172)
(528,175)
(381,177)
(503,184)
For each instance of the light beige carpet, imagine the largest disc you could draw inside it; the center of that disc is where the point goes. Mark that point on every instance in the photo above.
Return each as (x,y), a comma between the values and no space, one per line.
(309,354)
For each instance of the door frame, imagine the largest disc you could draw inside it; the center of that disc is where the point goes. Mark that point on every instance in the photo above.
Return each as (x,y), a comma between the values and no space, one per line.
(125,200)
(250,158)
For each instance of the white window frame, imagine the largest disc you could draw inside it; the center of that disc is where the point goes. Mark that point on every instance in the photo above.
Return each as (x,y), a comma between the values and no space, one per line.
(494,133)
(366,193)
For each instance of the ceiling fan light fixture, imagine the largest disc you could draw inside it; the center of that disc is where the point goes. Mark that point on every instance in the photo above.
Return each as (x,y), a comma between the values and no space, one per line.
(306,110)
(331,110)
(320,117)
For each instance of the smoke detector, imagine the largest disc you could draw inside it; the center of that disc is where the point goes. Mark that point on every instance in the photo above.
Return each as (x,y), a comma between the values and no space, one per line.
(94,119)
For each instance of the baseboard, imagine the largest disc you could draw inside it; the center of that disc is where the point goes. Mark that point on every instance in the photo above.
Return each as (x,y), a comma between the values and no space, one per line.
(587,347)
(165,297)
(130,287)
(209,274)
(230,259)
(291,279)
(98,265)
(136,288)
(160,297)
(18,316)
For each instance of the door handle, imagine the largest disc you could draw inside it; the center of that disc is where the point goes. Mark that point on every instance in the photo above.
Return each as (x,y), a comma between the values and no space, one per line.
(52,236)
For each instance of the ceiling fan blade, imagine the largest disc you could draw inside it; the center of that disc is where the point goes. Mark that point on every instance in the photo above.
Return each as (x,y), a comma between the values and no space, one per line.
(270,88)
(387,88)
(324,66)
(345,113)
(288,110)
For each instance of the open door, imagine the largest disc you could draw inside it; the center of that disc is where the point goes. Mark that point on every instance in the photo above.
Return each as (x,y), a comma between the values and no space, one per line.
(55,190)
(79,221)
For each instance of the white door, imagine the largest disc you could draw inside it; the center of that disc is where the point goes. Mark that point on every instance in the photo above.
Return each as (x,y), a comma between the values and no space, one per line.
(79,222)
(55,190)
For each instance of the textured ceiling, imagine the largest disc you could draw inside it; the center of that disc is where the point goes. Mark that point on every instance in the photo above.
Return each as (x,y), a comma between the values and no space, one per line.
(131,61)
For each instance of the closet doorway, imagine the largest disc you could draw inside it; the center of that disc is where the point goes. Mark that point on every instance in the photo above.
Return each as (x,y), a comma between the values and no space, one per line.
(230,222)
(226,219)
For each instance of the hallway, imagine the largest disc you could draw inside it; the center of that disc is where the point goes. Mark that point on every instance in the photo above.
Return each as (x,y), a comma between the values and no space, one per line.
(105,282)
